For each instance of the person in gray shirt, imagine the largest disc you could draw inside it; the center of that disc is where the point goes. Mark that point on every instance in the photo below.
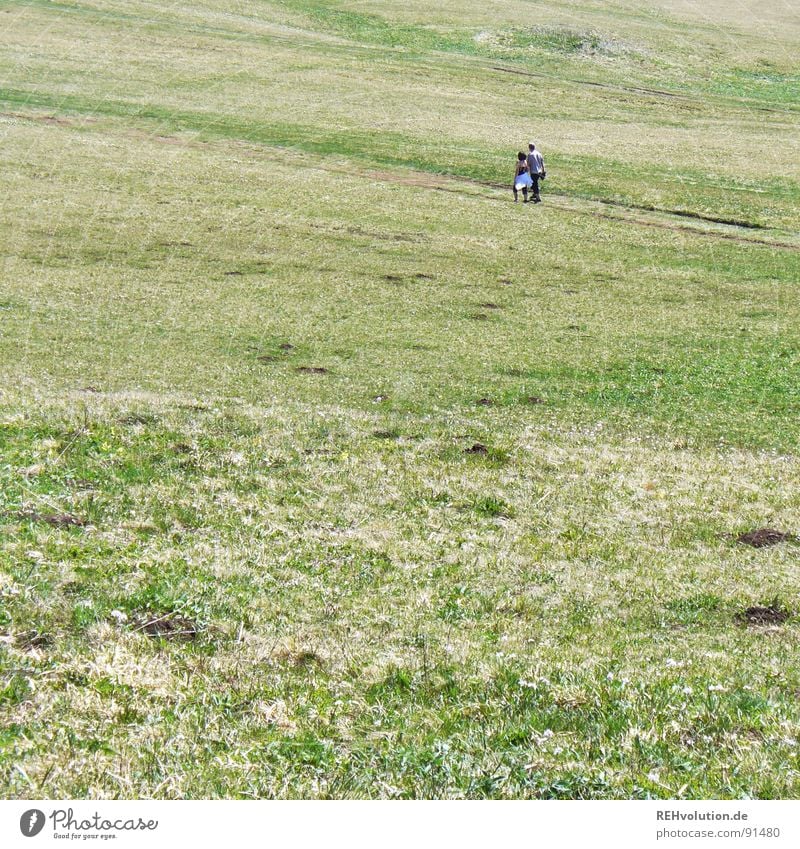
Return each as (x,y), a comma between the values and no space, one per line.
(536,170)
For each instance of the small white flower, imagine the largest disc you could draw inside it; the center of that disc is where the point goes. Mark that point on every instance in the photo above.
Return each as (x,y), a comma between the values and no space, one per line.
(119,616)
(653,776)
(716,688)
(687,691)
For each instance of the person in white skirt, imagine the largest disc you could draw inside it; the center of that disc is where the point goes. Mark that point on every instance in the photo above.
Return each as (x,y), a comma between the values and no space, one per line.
(522,177)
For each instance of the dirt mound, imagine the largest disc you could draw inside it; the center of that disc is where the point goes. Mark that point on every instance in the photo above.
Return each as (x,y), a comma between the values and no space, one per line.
(477,448)
(166,626)
(763,537)
(772,615)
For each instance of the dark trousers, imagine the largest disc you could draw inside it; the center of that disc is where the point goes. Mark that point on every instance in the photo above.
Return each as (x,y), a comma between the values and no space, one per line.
(535,187)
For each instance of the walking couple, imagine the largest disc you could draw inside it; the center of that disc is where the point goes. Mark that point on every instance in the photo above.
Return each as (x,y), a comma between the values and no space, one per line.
(530,169)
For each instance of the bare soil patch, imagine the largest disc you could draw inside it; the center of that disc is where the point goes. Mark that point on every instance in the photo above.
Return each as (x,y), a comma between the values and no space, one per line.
(477,448)
(312,370)
(33,640)
(82,483)
(137,419)
(764,537)
(167,626)
(757,615)
(59,520)
(301,658)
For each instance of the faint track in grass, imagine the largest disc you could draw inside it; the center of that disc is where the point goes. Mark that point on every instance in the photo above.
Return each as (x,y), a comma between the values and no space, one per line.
(699,100)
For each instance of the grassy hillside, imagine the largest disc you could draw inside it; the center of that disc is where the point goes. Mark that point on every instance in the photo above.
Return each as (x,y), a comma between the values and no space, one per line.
(327,470)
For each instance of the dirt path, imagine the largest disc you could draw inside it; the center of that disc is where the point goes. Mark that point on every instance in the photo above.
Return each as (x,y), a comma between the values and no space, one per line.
(665,219)
(659,218)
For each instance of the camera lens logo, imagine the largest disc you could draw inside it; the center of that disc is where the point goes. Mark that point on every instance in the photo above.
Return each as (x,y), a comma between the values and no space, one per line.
(31,822)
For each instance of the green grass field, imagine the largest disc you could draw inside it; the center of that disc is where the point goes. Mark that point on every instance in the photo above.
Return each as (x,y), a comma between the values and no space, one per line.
(328,471)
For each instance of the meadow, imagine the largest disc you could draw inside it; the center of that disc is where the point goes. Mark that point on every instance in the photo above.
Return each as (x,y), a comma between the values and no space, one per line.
(327,471)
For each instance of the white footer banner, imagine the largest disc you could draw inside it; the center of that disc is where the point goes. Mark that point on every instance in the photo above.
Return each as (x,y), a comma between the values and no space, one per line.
(412,824)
